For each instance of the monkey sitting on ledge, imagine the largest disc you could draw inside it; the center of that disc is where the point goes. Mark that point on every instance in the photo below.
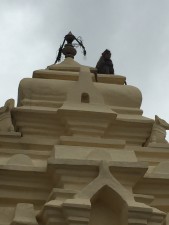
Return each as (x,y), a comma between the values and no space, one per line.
(105,65)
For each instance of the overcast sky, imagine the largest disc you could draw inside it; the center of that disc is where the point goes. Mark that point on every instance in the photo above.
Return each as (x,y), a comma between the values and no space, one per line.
(136,32)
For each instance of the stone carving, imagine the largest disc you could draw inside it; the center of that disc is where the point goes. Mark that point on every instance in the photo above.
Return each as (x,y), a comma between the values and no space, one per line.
(158,132)
(5,116)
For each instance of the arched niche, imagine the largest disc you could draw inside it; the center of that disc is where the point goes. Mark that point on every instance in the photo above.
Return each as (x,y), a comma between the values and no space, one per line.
(108,208)
(85,98)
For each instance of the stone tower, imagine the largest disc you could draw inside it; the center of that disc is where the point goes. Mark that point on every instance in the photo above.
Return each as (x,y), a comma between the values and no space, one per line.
(76,152)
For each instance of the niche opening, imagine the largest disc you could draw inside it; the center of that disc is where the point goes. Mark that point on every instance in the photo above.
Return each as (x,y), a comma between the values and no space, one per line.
(85,98)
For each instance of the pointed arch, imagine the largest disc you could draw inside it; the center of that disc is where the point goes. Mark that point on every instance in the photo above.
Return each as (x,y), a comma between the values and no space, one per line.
(108,193)
(105,178)
(108,208)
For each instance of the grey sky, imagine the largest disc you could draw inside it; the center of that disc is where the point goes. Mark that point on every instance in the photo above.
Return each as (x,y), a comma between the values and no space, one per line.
(136,32)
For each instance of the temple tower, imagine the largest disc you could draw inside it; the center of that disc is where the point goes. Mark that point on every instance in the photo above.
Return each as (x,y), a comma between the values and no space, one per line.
(77,150)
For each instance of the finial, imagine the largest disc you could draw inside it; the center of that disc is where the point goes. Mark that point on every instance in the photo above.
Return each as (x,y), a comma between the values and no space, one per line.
(69,49)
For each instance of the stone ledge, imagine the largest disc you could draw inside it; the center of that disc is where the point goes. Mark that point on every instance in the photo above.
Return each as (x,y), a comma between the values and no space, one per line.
(74,76)
(92,142)
(10,134)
